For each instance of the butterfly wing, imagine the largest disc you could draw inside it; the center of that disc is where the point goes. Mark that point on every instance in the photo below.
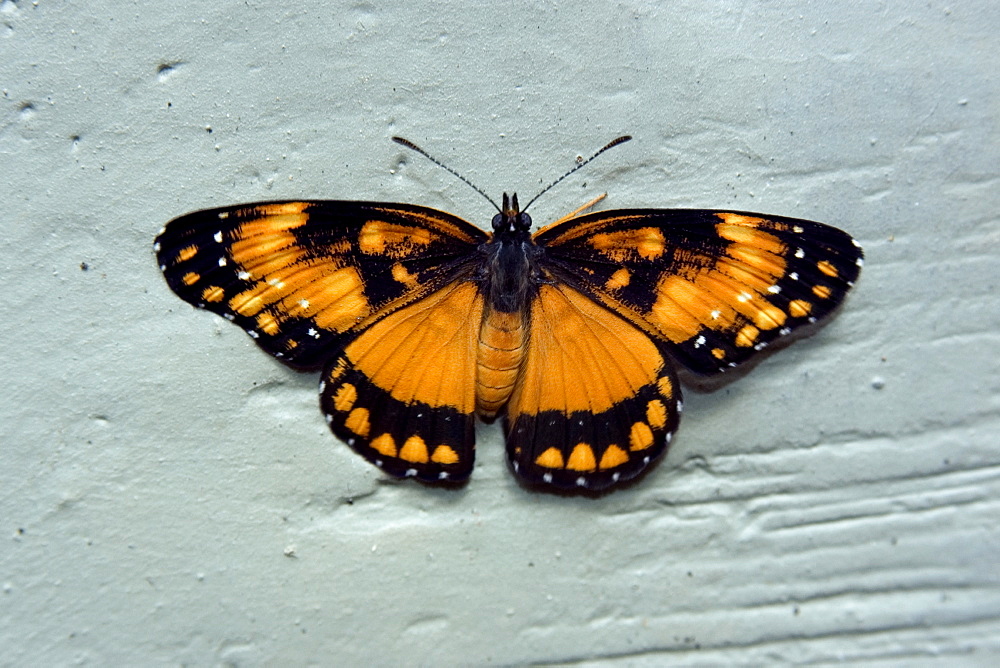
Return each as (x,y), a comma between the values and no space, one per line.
(303,277)
(716,286)
(596,401)
(402,394)
(379,293)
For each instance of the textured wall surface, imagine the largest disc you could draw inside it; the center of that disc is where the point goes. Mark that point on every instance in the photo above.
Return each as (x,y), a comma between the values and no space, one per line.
(169,493)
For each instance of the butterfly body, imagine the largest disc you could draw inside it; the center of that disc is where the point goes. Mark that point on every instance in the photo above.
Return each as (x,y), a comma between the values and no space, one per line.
(421,321)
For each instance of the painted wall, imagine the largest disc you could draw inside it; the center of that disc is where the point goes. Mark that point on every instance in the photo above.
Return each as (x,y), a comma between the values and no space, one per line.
(168,493)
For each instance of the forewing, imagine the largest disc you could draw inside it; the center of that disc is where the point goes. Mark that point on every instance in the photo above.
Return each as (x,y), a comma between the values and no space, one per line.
(717,286)
(302,277)
(596,402)
(402,394)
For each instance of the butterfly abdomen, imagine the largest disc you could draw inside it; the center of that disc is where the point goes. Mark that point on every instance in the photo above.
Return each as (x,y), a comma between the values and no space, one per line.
(508,281)
(502,341)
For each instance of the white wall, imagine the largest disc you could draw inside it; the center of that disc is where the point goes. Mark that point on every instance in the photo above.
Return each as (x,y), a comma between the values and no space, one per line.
(168,493)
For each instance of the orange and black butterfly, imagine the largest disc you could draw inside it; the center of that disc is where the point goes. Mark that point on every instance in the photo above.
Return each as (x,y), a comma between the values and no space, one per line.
(420,321)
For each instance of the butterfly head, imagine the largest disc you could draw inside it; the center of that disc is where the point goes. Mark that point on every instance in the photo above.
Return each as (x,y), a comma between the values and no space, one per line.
(510,219)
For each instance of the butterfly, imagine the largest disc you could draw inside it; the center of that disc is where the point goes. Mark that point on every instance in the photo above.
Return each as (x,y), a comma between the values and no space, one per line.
(420,321)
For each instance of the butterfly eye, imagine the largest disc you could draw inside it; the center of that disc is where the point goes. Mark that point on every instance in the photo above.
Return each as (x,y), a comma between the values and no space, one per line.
(523,221)
(497,222)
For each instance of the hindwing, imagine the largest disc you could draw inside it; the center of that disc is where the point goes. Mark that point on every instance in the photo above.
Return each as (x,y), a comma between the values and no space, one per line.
(403,394)
(596,401)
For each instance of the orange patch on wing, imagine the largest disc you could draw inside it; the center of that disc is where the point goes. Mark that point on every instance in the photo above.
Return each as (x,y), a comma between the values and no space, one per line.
(267,324)
(581,357)
(337,371)
(414,450)
(424,219)
(646,242)
(400,274)
(714,296)
(425,351)
(619,279)
(384,444)
(444,454)
(827,268)
(747,336)
(769,317)
(274,249)
(656,414)
(799,308)
(550,459)
(381,237)
(213,293)
(186,253)
(344,398)
(640,437)
(612,457)
(358,422)
(745,230)
(582,458)
(332,296)
(822,291)
(190,278)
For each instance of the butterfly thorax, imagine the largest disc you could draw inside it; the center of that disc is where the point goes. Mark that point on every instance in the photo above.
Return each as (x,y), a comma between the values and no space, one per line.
(508,279)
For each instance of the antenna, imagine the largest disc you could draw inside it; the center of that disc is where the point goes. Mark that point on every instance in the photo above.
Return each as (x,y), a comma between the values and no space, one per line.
(413,147)
(609,145)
